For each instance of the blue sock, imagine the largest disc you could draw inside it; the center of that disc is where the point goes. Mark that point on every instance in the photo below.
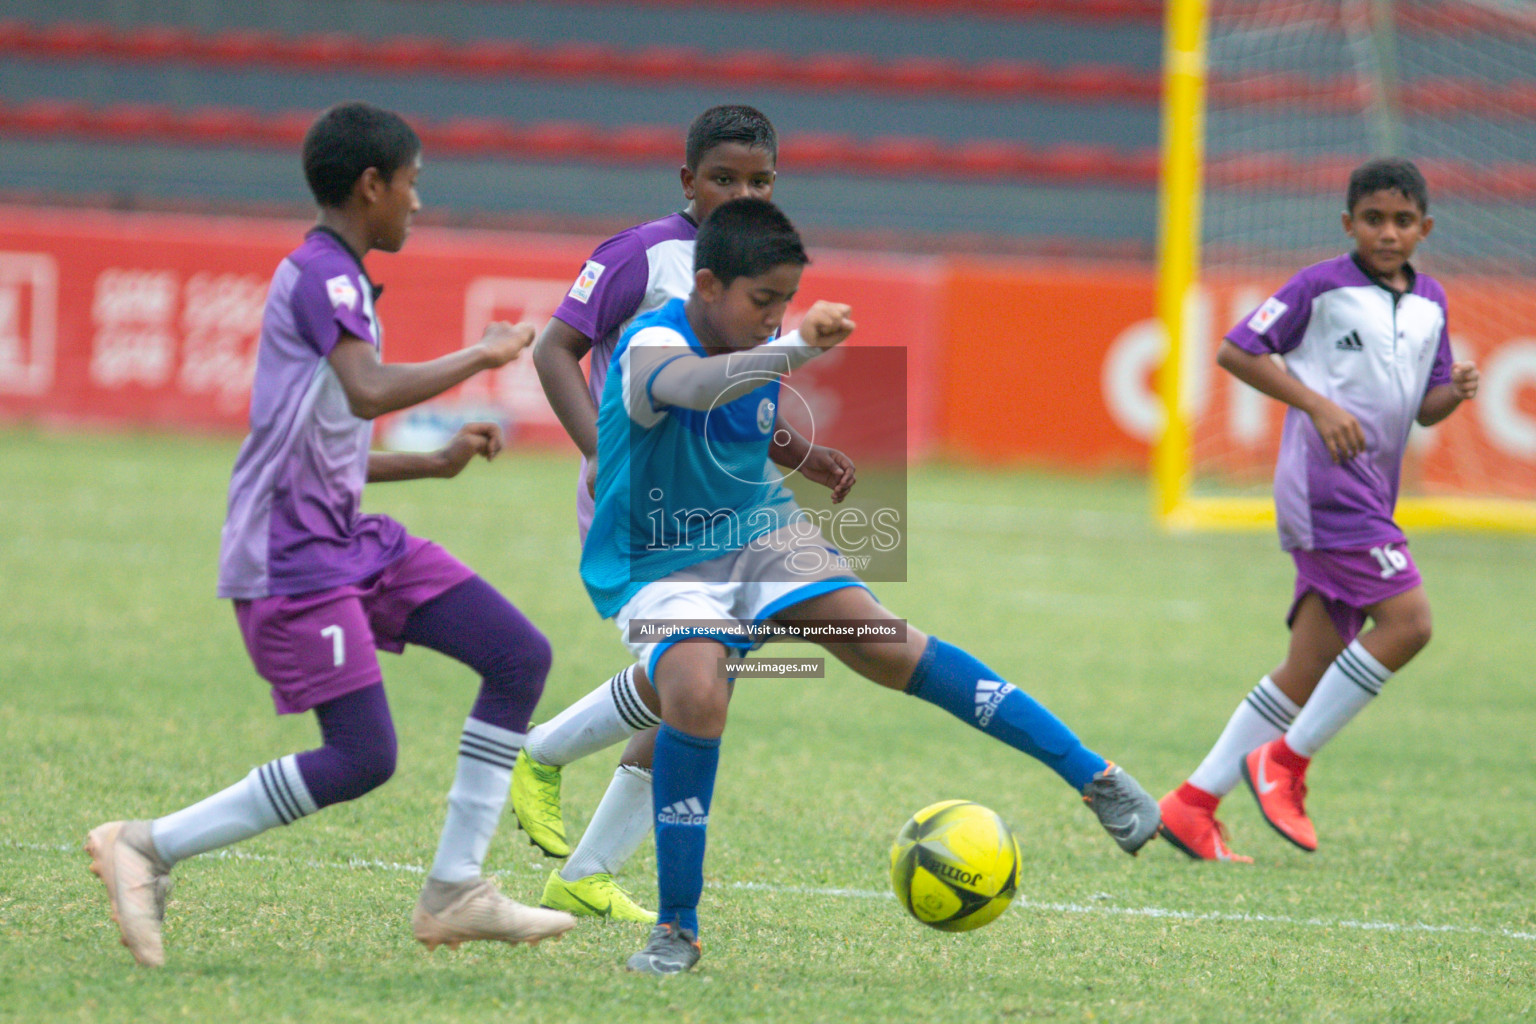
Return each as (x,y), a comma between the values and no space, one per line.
(682,784)
(973,693)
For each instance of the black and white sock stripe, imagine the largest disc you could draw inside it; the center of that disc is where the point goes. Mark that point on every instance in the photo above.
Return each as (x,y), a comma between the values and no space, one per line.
(630,707)
(284,789)
(1269,708)
(1358,672)
(492,751)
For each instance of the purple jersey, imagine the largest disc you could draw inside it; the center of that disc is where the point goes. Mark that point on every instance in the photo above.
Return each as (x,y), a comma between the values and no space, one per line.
(294,524)
(637,270)
(1375,354)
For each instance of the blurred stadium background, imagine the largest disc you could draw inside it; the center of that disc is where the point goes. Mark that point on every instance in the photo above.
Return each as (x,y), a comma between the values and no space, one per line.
(979,181)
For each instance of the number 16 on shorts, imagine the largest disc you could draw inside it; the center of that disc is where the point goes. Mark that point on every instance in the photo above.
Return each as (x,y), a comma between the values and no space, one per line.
(1391,560)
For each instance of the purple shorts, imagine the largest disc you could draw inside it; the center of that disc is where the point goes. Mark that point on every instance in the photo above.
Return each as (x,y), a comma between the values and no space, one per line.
(1351,581)
(319,646)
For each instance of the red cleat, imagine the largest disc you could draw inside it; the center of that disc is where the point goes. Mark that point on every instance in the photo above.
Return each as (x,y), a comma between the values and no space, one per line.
(1189,823)
(1277,776)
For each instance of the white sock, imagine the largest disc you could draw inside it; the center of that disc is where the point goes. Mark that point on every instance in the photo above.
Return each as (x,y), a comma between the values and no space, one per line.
(480,783)
(1348,685)
(610,713)
(1264,714)
(622,820)
(272,794)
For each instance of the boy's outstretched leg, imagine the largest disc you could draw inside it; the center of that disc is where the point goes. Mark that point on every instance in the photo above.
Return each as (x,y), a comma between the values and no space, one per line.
(474,624)
(944,675)
(960,684)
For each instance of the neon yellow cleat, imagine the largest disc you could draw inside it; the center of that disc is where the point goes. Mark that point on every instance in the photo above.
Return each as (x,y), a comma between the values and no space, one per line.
(594,896)
(536,802)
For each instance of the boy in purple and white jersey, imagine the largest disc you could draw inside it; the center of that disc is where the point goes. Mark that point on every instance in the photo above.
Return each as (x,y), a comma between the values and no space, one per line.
(318,586)
(1367,353)
(731,153)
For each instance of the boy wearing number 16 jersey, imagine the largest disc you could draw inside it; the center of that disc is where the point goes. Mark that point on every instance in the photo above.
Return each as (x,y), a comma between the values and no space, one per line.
(1367,352)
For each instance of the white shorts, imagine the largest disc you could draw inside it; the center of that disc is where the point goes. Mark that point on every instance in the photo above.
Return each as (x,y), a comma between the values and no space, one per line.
(750,585)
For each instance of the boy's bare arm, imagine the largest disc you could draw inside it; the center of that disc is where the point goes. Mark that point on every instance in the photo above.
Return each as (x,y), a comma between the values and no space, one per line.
(557,358)
(374,387)
(472,439)
(1440,401)
(1340,431)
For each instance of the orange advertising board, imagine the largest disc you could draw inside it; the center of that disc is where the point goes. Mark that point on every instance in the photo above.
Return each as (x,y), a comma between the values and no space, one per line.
(1028,353)
(153,319)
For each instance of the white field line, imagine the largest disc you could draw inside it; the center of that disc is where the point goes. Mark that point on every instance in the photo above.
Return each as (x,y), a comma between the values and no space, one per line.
(1166,913)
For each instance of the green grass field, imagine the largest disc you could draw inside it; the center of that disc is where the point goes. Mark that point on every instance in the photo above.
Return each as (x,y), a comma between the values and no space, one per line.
(125,692)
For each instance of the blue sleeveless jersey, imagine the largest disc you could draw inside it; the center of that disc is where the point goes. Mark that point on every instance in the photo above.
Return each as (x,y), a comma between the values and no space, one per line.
(675,486)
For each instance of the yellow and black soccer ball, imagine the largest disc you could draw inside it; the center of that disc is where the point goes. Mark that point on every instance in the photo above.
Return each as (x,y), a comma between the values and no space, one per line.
(955,866)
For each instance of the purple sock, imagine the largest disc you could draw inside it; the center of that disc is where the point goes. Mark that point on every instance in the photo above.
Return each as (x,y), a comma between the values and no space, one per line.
(358,752)
(474,624)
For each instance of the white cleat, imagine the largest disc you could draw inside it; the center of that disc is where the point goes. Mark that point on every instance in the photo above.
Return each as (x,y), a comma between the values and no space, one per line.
(123,856)
(449,913)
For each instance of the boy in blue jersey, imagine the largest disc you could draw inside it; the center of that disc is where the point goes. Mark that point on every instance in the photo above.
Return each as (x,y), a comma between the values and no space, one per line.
(1367,351)
(731,152)
(691,524)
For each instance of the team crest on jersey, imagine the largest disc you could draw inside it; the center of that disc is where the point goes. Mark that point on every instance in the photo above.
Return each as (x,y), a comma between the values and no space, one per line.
(1267,315)
(765,415)
(342,291)
(581,291)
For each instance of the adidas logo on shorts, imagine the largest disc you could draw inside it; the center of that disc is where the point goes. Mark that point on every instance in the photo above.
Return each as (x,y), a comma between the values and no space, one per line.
(990,694)
(684,812)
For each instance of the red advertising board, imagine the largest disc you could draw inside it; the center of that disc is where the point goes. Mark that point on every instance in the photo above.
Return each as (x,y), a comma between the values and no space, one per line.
(153,319)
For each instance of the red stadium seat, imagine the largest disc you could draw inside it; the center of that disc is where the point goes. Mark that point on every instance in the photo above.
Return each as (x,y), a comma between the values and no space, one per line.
(576,60)
(834,70)
(810,151)
(749,67)
(407,55)
(71,39)
(325,50)
(984,159)
(130,121)
(468,136)
(14,35)
(645,144)
(663,63)
(156,43)
(1006,77)
(560,140)
(242,46)
(49,117)
(282,131)
(217,126)
(490,57)
(901,155)
(920,75)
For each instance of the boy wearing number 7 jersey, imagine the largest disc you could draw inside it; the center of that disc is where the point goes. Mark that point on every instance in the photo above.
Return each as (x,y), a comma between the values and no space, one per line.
(318,586)
(1367,352)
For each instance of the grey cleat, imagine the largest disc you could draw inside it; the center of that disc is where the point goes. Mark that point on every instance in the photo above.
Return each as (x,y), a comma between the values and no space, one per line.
(671,950)
(124,857)
(1127,812)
